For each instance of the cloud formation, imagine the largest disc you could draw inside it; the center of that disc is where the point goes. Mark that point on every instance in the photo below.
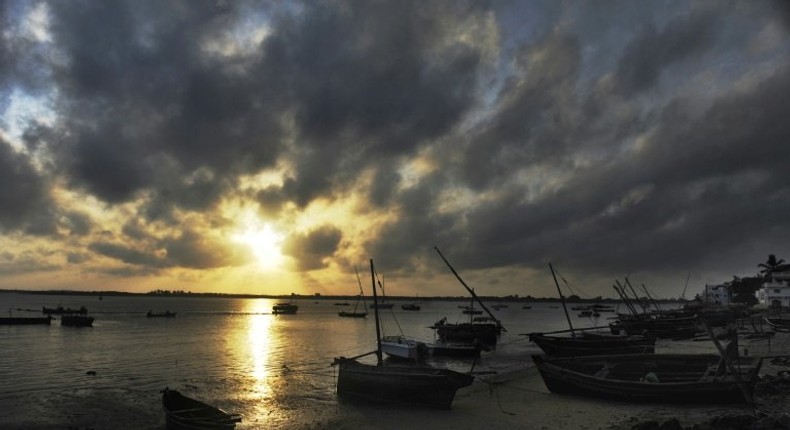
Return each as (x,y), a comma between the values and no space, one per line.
(137,136)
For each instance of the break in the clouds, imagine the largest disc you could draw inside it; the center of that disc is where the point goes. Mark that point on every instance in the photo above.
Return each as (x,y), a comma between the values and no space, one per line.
(192,145)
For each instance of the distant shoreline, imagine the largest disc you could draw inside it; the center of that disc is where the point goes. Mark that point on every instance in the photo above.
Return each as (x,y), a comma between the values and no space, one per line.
(506,299)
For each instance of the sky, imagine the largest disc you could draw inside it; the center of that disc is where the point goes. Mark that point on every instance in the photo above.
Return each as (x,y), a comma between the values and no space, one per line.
(275,147)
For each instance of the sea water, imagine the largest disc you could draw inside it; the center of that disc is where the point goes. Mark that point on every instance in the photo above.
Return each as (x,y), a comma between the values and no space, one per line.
(275,370)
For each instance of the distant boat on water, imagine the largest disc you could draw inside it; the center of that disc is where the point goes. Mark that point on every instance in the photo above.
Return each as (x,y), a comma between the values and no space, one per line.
(61,310)
(165,314)
(410,306)
(284,308)
(25,320)
(76,320)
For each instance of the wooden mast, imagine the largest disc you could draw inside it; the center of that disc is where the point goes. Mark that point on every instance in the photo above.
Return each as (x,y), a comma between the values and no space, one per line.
(499,323)
(562,299)
(376,313)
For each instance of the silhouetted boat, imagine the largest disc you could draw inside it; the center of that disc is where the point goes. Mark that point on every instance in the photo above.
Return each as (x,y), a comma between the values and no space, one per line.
(449,349)
(410,306)
(675,378)
(61,310)
(284,308)
(25,320)
(185,413)
(165,314)
(593,344)
(76,320)
(779,324)
(380,383)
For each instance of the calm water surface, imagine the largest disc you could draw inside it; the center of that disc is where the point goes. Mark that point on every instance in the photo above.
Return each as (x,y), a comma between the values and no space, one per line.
(233,353)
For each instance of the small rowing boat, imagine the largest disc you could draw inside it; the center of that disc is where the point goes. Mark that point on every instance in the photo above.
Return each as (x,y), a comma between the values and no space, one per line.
(185,413)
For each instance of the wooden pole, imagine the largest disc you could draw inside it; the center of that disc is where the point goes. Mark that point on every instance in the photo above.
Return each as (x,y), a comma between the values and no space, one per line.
(499,323)
(379,360)
(562,299)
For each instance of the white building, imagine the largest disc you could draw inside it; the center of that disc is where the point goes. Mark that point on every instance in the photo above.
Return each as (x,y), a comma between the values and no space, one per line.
(716,294)
(775,290)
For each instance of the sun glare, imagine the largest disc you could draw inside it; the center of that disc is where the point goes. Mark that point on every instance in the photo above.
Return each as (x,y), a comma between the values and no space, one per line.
(264,243)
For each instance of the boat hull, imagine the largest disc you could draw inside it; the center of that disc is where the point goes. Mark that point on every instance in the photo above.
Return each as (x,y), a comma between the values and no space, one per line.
(184,413)
(680,378)
(400,347)
(25,321)
(423,386)
(583,345)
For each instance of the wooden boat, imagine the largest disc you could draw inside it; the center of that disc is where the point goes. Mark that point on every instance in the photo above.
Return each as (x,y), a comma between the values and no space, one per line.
(284,308)
(401,347)
(410,306)
(165,314)
(342,304)
(25,320)
(460,350)
(76,320)
(352,314)
(472,332)
(486,333)
(591,344)
(676,378)
(381,306)
(412,385)
(662,327)
(779,324)
(387,383)
(61,310)
(185,413)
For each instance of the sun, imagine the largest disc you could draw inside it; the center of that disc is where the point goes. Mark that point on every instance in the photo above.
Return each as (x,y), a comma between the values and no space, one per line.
(264,242)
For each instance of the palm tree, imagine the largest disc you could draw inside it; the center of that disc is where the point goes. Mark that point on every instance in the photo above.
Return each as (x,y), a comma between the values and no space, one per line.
(771,265)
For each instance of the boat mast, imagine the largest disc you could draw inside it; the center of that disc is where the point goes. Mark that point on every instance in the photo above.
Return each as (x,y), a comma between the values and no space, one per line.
(562,299)
(361,292)
(376,313)
(471,291)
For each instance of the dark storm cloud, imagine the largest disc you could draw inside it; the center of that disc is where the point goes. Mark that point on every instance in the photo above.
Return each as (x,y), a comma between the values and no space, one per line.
(24,196)
(369,80)
(530,123)
(670,184)
(126,254)
(655,49)
(311,249)
(140,93)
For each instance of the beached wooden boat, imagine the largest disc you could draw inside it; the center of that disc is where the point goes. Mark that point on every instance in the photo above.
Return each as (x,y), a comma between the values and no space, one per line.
(779,324)
(676,378)
(662,327)
(584,343)
(165,314)
(185,413)
(398,384)
(413,385)
(76,320)
(25,320)
(284,308)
